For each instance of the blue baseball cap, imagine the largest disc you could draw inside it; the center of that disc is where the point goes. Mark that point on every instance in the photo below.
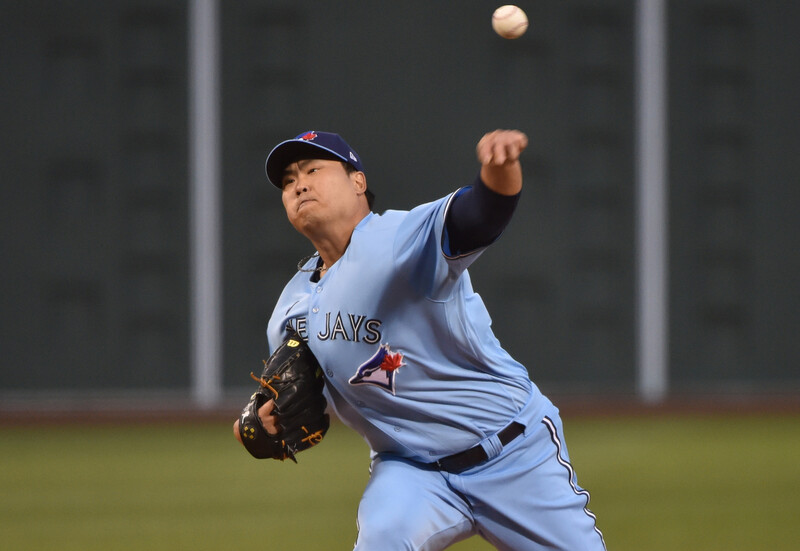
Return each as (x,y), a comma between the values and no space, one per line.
(306,145)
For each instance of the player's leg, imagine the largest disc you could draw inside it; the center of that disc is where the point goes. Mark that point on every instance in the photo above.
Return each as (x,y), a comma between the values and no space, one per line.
(405,507)
(528,498)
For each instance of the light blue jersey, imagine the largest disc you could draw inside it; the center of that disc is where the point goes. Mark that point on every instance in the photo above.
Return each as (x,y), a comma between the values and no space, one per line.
(411,364)
(410,359)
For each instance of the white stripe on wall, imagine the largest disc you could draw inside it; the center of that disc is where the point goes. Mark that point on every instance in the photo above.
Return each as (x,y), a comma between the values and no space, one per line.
(204,192)
(652,208)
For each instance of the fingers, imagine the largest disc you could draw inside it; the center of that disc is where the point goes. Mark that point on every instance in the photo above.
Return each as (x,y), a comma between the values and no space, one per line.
(269,421)
(236,431)
(266,408)
(501,147)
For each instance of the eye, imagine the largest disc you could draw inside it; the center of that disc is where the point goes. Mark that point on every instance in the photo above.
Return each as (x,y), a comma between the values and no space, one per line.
(286,181)
(312,170)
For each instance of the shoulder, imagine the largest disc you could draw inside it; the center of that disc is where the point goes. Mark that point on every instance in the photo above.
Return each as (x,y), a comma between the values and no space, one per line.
(393,218)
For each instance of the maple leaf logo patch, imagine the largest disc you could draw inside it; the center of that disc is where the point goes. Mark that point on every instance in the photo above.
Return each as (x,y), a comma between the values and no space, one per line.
(380,369)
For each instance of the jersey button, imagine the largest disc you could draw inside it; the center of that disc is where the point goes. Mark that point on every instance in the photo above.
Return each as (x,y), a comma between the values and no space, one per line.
(315,309)
(329,372)
(319,289)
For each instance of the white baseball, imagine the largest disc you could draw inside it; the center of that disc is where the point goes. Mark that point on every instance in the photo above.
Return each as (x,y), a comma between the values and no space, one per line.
(509,21)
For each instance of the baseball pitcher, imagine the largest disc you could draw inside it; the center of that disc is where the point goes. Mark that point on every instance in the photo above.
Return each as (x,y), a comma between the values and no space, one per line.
(397,343)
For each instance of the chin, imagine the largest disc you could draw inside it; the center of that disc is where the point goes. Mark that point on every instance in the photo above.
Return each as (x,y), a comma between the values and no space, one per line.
(304,223)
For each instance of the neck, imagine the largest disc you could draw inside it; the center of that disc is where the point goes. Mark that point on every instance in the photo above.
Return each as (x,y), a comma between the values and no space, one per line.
(332,244)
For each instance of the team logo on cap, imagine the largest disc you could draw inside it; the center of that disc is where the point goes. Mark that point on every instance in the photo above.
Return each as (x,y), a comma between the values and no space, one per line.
(380,369)
(309,136)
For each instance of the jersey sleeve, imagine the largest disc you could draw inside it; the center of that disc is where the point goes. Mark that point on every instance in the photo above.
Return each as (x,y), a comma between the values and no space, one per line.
(476,218)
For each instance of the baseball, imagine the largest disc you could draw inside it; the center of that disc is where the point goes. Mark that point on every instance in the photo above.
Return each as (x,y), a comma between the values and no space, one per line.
(509,21)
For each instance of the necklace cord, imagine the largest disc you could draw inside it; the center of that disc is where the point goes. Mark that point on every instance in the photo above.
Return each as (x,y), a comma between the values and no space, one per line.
(321,268)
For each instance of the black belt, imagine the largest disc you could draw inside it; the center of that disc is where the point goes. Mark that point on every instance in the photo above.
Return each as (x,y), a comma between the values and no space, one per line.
(461,461)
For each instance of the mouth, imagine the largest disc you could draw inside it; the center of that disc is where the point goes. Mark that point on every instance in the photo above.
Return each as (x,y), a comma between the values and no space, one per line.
(303,203)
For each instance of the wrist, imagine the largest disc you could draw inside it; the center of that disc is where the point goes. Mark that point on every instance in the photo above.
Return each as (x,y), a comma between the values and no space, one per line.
(505,179)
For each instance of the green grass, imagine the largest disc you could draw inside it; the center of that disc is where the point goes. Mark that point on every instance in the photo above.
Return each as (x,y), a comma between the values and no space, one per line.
(669,483)
(708,483)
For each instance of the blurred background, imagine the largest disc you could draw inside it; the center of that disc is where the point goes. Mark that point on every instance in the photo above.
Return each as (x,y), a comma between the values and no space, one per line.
(144,248)
(649,280)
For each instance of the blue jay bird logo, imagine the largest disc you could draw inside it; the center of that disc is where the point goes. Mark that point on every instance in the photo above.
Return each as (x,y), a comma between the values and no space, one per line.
(380,369)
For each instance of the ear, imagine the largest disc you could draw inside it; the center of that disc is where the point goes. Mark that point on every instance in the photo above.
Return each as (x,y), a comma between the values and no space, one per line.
(359,181)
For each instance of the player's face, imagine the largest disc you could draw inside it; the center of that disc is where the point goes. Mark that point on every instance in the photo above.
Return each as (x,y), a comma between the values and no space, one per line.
(320,191)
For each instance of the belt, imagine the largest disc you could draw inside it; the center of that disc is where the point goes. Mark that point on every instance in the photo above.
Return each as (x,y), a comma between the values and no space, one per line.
(476,455)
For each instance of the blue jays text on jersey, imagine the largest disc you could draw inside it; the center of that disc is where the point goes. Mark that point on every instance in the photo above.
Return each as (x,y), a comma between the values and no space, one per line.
(357,328)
